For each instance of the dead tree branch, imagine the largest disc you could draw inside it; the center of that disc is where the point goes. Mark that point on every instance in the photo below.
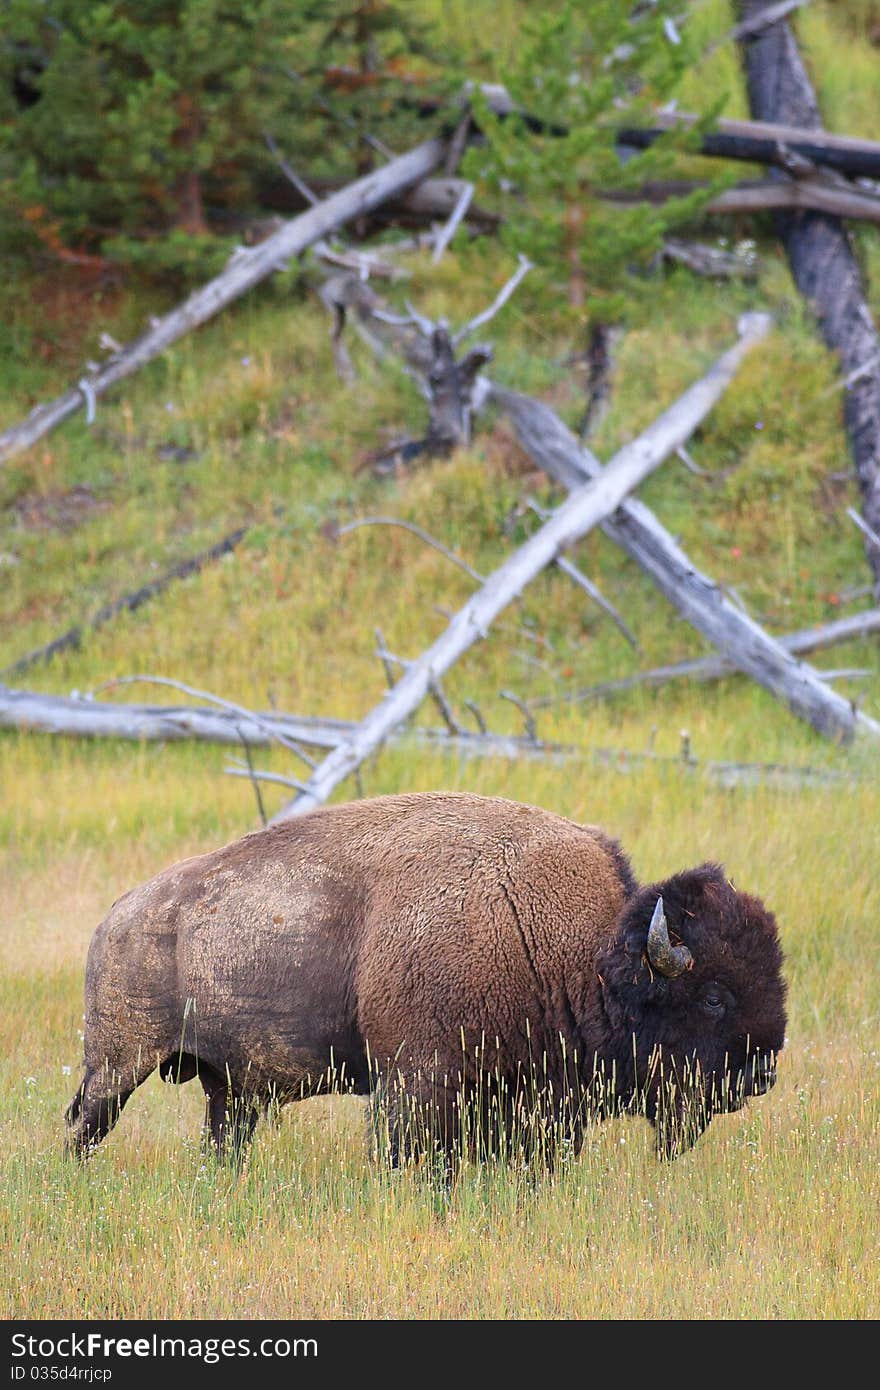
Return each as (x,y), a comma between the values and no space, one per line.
(498,303)
(453,222)
(586,584)
(126,604)
(247,269)
(415,531)
(709,668)
(246,715)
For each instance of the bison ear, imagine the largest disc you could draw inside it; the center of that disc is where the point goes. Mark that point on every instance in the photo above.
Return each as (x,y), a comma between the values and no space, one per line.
(663,957)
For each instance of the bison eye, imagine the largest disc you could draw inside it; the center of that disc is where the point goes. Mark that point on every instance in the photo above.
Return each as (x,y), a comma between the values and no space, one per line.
(713,1004)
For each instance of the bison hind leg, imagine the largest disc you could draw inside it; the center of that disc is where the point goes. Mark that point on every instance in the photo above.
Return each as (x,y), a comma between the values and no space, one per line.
(231,1115)
(95,1109)
(415,1124)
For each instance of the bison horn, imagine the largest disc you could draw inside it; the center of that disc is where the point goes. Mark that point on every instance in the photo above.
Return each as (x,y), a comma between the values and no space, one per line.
(665,958)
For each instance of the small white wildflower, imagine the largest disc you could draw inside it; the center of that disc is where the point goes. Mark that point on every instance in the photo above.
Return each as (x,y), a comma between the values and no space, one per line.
(671,31)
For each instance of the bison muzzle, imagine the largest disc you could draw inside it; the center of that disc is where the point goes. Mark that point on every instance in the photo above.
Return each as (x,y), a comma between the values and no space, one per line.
(484,967)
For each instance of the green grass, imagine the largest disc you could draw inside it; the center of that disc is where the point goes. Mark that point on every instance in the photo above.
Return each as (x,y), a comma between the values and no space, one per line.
(773,1214)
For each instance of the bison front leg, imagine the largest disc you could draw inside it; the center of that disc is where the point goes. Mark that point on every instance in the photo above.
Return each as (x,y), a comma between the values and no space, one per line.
(417,1121)
(682,1115)
(231,1116)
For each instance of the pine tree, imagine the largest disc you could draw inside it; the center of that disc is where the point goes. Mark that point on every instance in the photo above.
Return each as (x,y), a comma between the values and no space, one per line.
(584,71)
(125,124)
(142,110)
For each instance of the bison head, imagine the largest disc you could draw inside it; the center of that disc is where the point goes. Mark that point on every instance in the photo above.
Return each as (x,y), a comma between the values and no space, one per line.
(694,993)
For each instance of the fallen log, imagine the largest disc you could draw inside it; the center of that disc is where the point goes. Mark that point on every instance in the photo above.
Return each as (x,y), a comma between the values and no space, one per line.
(780,141)
(762,195)
(635,528)
(244,271)
(776,141)
(798,195)
(821,257)
(588,504)
(31,712)
(709,668)
(126,604)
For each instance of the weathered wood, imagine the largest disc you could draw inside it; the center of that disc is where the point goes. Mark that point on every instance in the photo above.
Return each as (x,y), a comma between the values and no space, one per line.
(798,195)
(452,386)
(428,200)
(126,604)
(710,261)
(771,15)
(763,141)
(822,260)
(769,141)
(762,195)
(635,528)
(584,509)
(244,271)
(30,712)
(709,668)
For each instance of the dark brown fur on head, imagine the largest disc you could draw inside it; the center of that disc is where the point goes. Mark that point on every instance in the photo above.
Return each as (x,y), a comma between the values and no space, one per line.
(706,1040)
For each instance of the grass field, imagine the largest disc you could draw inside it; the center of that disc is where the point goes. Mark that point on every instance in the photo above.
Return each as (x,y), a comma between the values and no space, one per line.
(773,1215)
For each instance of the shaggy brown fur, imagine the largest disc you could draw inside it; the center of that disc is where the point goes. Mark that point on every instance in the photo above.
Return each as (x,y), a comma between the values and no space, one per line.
(455,945)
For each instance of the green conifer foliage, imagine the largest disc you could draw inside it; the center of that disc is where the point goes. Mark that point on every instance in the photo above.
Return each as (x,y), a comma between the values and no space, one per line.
(140,111)
(128,128)
(585,70)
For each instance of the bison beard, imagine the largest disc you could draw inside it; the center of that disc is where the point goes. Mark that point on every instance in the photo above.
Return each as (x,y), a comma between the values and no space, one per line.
(490,971)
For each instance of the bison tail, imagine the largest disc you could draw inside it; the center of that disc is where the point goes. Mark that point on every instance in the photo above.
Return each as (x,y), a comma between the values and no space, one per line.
(74,1109)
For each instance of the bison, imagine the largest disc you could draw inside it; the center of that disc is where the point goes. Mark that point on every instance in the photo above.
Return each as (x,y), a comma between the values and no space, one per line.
(471,960)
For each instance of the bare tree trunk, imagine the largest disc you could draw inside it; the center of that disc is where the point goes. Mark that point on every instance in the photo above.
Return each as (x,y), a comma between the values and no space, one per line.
(244,271)
(588,505)
(822,260)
